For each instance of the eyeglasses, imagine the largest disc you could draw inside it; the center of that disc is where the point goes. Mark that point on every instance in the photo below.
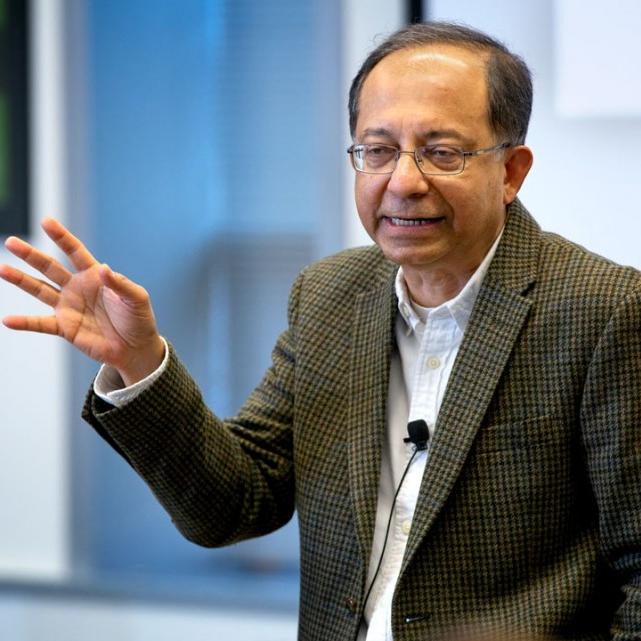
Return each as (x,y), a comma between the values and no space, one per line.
(432,160)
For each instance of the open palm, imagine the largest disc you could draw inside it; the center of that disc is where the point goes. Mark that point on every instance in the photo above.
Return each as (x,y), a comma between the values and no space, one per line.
(105,315)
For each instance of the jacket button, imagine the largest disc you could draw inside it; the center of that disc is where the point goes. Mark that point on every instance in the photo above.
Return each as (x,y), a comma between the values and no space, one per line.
(350,604)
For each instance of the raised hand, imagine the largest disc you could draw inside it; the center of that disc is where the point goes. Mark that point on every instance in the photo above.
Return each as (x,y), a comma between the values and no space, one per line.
(105,315)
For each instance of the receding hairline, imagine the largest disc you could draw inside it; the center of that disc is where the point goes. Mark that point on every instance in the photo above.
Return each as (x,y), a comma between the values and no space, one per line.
(484,51)
(485,58)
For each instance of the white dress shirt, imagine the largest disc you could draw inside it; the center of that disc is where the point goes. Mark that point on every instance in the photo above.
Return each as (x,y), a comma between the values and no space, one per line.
(428,341)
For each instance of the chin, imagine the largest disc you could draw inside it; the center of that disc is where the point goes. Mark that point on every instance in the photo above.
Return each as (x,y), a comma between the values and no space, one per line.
(411,261)
(411,256)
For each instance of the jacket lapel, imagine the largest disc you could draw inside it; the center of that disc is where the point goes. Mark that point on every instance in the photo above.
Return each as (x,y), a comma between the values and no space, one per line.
(372,342)
(498,316)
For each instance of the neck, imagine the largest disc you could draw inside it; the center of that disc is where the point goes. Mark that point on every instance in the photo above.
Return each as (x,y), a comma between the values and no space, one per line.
(434,287)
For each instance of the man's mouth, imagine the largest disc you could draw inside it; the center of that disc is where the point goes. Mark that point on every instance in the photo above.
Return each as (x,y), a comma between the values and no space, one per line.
(413,222)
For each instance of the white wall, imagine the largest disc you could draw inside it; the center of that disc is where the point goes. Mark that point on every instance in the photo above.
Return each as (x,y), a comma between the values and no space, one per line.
(597,60)
(33,381)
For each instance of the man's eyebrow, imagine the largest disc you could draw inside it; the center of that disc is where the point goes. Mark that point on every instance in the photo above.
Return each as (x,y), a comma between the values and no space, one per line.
(437,134)
(429,135)
(378,131)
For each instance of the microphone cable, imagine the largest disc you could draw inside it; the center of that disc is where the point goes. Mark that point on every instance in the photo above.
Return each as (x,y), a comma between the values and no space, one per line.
(419,436)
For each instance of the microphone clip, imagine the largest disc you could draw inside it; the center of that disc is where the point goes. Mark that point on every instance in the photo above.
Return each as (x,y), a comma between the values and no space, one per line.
(419,434)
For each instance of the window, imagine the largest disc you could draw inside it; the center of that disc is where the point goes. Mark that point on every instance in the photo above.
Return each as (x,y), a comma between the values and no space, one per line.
(217,243)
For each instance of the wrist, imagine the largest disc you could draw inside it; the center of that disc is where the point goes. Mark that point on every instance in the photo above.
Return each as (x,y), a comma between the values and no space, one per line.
(145,362)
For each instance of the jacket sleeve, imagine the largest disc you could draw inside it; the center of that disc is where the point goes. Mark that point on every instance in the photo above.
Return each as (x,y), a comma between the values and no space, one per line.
(220,481)
(611,427)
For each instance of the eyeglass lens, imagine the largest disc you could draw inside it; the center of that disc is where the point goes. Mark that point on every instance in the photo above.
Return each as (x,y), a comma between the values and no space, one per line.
(383,159)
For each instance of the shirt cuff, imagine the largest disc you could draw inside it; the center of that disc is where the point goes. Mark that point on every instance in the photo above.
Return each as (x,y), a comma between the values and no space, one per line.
(110,387)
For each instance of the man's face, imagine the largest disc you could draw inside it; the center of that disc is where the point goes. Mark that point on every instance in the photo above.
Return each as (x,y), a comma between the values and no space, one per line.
(434,94)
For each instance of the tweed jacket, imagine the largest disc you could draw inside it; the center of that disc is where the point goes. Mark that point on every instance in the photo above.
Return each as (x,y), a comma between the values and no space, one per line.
(529,512)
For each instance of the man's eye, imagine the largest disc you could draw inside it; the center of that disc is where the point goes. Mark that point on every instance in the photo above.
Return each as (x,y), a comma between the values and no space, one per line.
(379,154)
(441,152)
(441,156)
(378,151)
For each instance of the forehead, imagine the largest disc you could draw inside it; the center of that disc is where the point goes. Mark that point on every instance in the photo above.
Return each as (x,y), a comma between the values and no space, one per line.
(435,87)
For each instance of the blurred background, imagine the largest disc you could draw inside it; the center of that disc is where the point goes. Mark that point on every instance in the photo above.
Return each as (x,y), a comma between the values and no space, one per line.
(199,147)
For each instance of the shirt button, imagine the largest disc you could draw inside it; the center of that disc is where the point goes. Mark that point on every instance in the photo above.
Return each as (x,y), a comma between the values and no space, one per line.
(433,362)
(350,604)
(406,526)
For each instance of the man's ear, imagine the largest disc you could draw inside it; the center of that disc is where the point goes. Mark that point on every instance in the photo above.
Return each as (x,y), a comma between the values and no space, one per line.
(518,161)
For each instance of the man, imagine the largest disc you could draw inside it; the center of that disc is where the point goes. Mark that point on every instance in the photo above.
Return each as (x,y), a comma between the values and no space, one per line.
(514,355)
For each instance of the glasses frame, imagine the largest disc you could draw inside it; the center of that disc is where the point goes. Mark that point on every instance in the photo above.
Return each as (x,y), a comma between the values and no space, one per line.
(464,154)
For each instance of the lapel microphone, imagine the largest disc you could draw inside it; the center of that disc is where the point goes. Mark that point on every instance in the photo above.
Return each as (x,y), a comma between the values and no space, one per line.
(419,434)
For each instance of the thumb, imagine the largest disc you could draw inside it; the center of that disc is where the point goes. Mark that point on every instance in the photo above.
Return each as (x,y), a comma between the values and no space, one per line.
(121,285)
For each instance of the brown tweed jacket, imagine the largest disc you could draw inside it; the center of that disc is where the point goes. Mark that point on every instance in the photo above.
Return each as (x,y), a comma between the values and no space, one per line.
(529,514)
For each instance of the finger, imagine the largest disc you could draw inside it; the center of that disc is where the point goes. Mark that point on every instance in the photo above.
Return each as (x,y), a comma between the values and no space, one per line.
(125,288)
(44,292)
(78,254)
(39,324)
(44,263)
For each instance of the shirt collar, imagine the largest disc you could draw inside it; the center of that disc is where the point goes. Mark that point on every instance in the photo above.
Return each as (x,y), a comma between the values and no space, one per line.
(459,307)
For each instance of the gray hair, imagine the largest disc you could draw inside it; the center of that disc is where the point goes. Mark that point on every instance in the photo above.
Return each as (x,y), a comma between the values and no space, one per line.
(509,82)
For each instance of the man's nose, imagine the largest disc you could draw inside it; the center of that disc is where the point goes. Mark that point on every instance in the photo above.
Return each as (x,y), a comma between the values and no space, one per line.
(407,179)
